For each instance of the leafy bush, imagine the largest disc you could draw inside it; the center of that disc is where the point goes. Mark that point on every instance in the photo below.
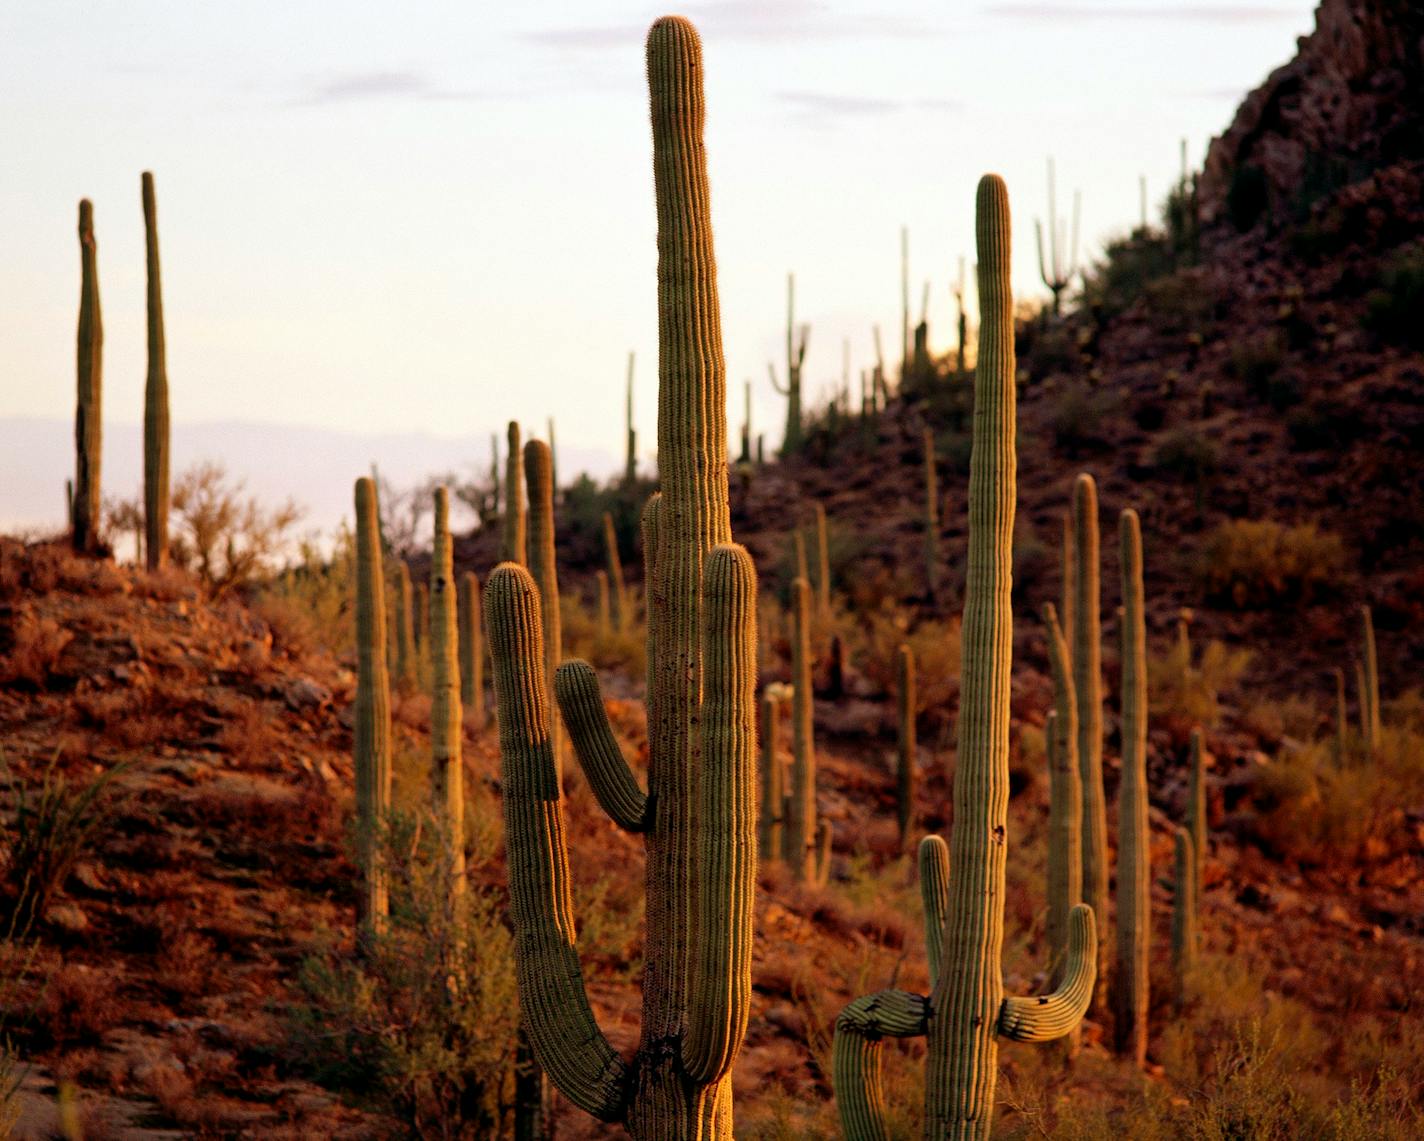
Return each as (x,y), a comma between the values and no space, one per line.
(1256,361)
(1253,563)
(1077,418)
(1187,693)
(1188,454)
(1395,310)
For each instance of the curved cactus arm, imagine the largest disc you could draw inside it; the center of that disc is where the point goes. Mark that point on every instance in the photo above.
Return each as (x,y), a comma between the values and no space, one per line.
(771,371)
(855,1057)
(720,1000)
(613,782)
(1048,1016)
(560,1024)
(934,895)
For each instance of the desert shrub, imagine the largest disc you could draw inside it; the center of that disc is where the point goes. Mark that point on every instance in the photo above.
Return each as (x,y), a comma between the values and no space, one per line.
(1395,308)
(312,601)
(36,644)
(1078,418)
(1187,691)
(1181,302)
(611,649)
(227,540)
(1252,563)
(1188,454)
(1128,266)
(1256,360)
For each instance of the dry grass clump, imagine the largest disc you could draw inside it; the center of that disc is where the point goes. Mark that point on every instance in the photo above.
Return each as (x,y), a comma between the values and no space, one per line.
(1259,563)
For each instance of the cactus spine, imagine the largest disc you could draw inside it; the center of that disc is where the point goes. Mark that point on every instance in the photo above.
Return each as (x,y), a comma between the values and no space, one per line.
(795,358)
(967,1008)
(155,398)
(823,568)
(405,631)
(88,426)
(472,653)
(773,791)
(1196,805)
(698,816)
(1065,798)
(511,549)
(445,710)
(1086,654)
(1369,694)
(804,840)
(371,729)
(905,755)
(931,517)
(615,575)
(1134,871)
(539,474)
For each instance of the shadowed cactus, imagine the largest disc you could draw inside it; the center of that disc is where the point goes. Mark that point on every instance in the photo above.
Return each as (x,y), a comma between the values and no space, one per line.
(967,1010)
(1185,903)
(1085,651)
(698,815)
(1196,804)
(807,843)
(772,818)
(421,627)
(88,411)
(905,750)
(795,360)
(472,653)
(630,461)
(604,617)
(371,726)
(539,476)
(1369,690)
(1065,798)
(445,711)
(823,568)
(155,399)
(1134,870)
(511,545)
(405,625)
(617,588)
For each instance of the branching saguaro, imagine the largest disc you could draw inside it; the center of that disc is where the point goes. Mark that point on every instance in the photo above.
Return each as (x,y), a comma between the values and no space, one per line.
(698,816)
(967,1011)
(1062,262)
(796,341)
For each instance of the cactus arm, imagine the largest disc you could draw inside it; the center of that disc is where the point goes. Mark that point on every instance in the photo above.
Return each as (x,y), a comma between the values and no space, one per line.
(613,783)
(771,371)
(934,896)
(562,1030)
(855,1057)
(1048,1016)
(720,998)
(1042,269)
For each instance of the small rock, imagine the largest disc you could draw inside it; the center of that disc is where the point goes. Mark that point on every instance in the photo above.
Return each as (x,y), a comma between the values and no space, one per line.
(67,917)
(302,693)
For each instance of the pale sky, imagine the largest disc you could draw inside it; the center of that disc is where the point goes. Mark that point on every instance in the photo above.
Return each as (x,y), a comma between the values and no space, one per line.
(436,217)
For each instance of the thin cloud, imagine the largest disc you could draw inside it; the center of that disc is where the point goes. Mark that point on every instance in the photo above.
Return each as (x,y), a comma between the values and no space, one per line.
(373,85)
(822,109)
(1194,13)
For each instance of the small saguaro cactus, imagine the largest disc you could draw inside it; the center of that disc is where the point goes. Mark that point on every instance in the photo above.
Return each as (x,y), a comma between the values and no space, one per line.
(1369,692)
(630,461)
(371,724)
(511,549)
(405,624)
(746,453)
(795,359)
(445,710)
(155,398)
(1196,804)
(1057,272)
(967,1010)
(615,575)
(553,460)
(605,620)
(1065,798)
(494,477)
(905,750)
(421,637)
(1184,911)
(698,814)
(1085,650)
(1134,870)
(539,475)
(773,784)
(807,843)
(472,653)
(931,517)
(823,568)
(88,419)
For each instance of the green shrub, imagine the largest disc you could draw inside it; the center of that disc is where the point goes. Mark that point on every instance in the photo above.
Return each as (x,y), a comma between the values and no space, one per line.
(1254,563)
(1078,418)
(1188,454)
(1395,309)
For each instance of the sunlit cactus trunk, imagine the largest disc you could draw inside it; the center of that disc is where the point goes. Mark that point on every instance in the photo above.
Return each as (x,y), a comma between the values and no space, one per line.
(807,843)
(155,399)
(88,424)
(772,820)
(511,548)
(1369,692)
(617,589)
(445,709)
(539,480)
(405,625)
(371,729)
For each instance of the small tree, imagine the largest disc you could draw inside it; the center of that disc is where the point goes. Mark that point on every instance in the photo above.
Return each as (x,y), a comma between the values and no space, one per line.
(222,536)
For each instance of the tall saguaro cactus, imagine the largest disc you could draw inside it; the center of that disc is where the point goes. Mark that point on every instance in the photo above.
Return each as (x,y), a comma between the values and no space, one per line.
(155,399)
(698,815)
(1134,871)
(539,474)
(1196,805)
(967,1010)
(807,842)
(472,652)
(88,423)
(795,359)
(511,547)
(1058,271)
(905,743)
(1065,797)
(371,728)
(1185,897)
(1369,693)
(1086,653)
(772,819)
(445,711)
(630,461)
(615,575)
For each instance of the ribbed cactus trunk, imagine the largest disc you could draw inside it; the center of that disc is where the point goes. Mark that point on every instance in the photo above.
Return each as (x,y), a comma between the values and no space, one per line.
(445,709)
(1085,650)
(1196,805)
(931,517)
(823,568)
(967,1008)
(804,839)
(88,424)
(422,625)
(155,399)
(472,653)
(1065,798)
(791,440)
(1134,870)
(405,625)
(511,548)
(1370,694)
(1184,912)
(698,816)
(539,477)
(615,576)
(1069,602)
(773,792)
(746,453)
(371,728)
(905,745)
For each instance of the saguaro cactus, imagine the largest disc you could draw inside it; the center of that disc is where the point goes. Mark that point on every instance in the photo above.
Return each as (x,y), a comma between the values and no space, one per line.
(472,653)
(1184,911)
(605,621)
(155,399)
(615,575)
(795,359)
(511,548)
(1134,871)
(421,637)
(445,713)
(807,842)
(371,727)
(1057,272)
(1369,693)
(773,790)
(630,462)
(967,1009)
(746,454)
(1196,804)
(931,517)
(539,473)
(905,752)
(405,624)
(1086,653)
(698,816)
(823,568)
(88,423)
(1065,798)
